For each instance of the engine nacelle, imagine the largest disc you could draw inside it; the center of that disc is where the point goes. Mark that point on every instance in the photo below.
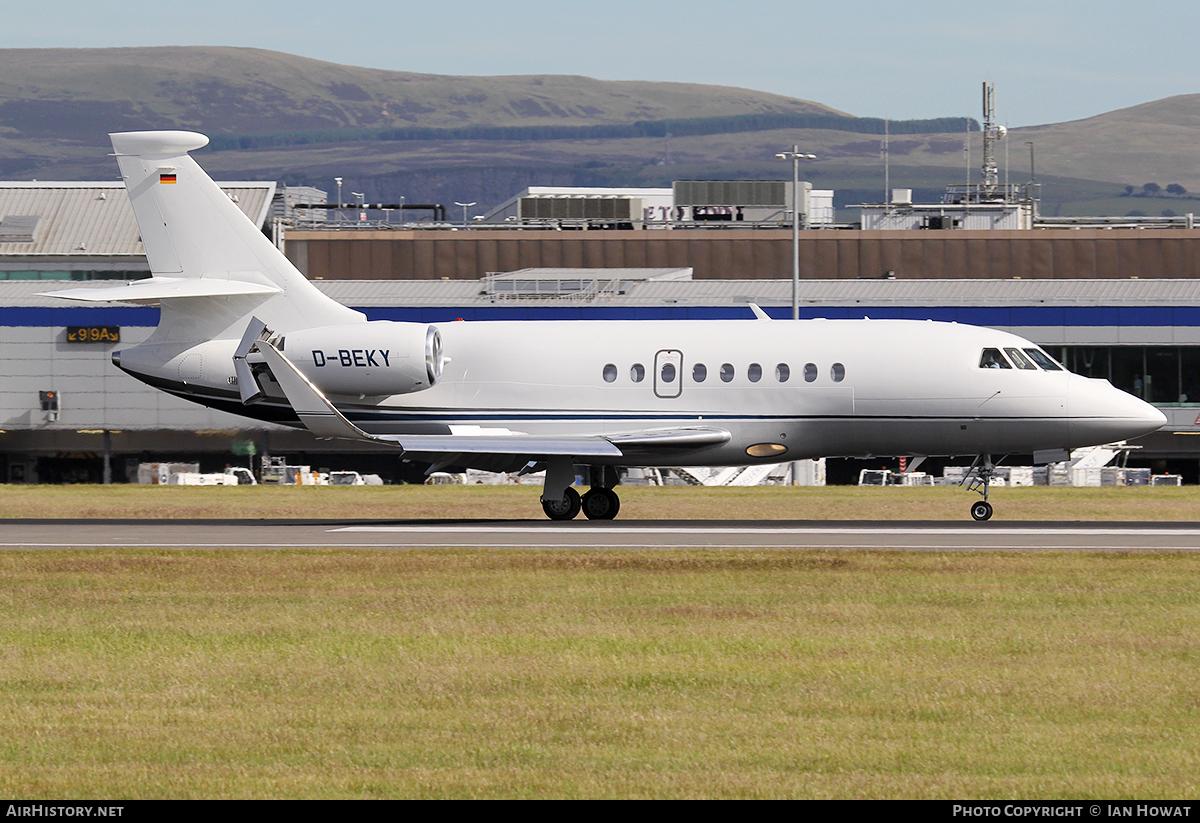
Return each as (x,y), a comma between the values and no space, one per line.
(379,357)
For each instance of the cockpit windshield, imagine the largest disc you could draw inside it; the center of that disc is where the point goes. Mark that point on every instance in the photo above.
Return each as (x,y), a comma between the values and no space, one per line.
(1025,359)
(1044,360)
(1019,360)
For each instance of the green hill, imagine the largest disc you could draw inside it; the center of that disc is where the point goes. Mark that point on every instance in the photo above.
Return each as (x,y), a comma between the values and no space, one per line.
(443,138)
(252,90)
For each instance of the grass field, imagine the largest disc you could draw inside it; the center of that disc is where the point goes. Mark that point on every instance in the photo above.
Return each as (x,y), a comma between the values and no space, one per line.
(588,674)
(455,673)
(637,503)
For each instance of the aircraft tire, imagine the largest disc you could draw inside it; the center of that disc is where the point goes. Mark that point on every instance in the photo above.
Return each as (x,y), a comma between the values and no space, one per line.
(981,510)
(601,504)
(564,509)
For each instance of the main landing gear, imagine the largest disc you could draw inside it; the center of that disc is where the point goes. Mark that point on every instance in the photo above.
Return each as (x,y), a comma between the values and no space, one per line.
(561,502)
(980,475)
(564,508)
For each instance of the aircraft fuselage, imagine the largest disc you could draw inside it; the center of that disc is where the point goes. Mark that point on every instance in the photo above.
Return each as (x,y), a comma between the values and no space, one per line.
(798,389)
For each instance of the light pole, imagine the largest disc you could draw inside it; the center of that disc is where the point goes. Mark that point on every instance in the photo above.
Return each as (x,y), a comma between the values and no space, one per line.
(795,155)
(464,208)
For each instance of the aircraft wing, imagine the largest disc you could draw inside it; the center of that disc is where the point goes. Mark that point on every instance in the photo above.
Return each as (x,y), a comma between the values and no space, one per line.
(324,420)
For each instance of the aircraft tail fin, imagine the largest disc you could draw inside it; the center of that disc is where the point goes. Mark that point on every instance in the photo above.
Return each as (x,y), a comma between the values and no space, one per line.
(192,231)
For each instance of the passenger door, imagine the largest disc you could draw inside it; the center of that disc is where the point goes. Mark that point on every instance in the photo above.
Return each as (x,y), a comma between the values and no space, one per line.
(668,373)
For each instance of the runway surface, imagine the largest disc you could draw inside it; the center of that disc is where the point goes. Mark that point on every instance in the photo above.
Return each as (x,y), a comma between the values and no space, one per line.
(632,534)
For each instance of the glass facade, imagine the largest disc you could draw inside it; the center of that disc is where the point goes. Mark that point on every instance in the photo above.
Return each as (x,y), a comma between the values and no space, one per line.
(1163,375)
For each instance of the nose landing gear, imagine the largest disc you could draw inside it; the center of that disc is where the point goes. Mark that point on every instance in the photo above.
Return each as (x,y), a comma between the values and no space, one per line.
(981,510)
(980,476)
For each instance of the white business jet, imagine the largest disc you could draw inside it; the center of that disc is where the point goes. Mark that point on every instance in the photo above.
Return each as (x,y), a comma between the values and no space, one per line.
(242,330)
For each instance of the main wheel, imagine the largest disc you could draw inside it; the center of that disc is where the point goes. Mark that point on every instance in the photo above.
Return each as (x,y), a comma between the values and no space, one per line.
(982,510)
(564,509)
(601,504)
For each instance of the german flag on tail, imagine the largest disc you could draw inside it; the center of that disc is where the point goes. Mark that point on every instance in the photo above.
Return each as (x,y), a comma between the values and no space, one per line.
(165,177)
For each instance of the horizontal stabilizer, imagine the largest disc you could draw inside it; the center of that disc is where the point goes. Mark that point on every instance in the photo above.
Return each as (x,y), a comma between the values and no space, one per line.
(157,289)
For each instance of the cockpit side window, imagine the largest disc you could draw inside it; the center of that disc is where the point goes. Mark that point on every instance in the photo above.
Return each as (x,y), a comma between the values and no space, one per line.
(1042,359)
(1019,360)
(993,359)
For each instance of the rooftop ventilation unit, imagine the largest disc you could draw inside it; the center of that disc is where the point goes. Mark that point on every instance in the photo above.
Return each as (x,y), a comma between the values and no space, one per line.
(18,228)
(581,208)
(731,193)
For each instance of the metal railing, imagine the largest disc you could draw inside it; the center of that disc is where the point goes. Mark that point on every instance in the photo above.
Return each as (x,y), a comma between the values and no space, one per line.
(499,287)
(959,193)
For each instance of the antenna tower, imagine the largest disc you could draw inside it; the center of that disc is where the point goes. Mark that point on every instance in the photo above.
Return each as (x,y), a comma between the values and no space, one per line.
(989,182)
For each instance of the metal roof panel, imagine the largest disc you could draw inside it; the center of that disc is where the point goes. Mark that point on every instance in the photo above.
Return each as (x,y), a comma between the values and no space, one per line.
(95,218)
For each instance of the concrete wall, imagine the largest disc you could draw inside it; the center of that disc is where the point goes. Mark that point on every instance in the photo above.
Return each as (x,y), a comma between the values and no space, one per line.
(93,394)
(752,254)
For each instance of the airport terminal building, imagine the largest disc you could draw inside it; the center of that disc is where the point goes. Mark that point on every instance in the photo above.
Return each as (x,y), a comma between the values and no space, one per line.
(1122,304)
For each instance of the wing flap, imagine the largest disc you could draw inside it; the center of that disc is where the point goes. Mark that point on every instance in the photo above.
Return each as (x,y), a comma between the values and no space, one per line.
(515,444)
(690,437)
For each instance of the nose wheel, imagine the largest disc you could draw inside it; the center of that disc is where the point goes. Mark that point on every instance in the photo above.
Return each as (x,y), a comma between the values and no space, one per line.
(980,476)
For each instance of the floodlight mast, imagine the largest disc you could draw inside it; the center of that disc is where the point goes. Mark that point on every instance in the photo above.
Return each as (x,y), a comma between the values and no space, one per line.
(465,206)
(795,155)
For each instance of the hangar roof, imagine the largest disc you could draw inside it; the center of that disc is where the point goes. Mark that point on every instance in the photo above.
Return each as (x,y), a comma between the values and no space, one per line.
(924,293)
(91,219)
(779,292)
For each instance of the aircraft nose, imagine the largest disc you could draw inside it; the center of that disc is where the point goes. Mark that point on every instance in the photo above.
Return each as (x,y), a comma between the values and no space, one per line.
(1101,413)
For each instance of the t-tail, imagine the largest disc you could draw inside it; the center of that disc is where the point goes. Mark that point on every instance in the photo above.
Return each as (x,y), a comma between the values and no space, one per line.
(221,283)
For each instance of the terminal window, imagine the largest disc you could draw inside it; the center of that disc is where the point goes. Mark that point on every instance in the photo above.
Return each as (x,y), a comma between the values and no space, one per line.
(1163,375)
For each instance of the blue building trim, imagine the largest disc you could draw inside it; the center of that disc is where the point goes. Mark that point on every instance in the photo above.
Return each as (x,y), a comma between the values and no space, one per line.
(973,315)
(78,316)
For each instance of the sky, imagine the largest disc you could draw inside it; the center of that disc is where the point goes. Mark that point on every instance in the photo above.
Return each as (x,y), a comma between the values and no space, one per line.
(1051,61)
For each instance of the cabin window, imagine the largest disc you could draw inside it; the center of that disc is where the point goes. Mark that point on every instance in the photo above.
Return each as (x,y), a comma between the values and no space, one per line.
(726,372)
(838,372)
(699,372)
(610,372)
(993,359)
(1019,360)
(1042,359)
(782,372)
(810,372)
(638,373)
(667,373)
(754,373)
